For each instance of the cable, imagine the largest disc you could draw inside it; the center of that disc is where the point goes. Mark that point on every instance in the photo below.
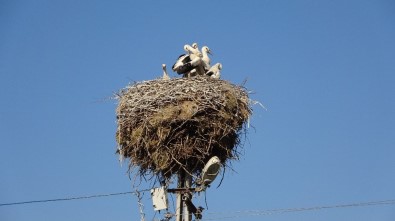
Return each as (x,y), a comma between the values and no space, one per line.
(72,198)
(238,214)
(288,210)
(244,213)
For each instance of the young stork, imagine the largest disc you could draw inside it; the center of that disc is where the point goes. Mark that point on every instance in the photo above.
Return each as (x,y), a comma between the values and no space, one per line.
(183,59)
(196,60)
(165,75)
(199,60)
(189,64)
(193,50)
(205,58)
(215,71)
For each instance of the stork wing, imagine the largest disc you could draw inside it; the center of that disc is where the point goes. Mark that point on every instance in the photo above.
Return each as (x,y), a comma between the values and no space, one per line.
(182,59)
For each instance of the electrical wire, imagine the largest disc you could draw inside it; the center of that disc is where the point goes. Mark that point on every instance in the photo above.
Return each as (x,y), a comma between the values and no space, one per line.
(244,213)
(71,198)
(239,214)
(217,215)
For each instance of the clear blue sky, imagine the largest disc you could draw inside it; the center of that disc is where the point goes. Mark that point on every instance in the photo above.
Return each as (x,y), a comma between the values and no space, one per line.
(325,70)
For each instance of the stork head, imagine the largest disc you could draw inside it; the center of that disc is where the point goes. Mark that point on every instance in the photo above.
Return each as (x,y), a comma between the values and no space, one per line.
(206,49)
(194,45)
(163,66)
(219,66)
(187,48)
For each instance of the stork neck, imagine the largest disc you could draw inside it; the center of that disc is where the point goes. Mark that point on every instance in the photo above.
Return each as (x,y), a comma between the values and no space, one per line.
(205,56)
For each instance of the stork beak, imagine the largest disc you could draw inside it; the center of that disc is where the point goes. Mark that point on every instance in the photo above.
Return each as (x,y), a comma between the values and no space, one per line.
(210,52)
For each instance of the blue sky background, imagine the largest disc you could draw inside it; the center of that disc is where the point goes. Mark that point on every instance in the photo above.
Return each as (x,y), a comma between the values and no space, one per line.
(325,71)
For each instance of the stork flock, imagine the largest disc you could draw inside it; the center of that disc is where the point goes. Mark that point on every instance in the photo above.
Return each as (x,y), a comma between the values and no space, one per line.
(194,62)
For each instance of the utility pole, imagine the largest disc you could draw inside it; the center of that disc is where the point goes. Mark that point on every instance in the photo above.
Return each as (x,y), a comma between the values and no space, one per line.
(184,191)
(184,185)
(180,206)
(187,196)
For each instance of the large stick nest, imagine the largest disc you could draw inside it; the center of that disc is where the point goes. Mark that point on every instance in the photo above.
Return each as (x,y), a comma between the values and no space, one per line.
(165,126)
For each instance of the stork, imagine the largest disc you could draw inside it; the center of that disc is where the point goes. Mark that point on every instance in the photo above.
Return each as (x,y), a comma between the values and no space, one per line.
(165,75)
(205,58)
(184,58)
(199,60)
(189,64)
(196,61)
(215,71)
(193,50)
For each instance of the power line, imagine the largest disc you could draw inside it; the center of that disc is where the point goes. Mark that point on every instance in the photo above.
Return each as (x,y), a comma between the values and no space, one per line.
(244,213)
(239,214)
(236,214)
(72,198)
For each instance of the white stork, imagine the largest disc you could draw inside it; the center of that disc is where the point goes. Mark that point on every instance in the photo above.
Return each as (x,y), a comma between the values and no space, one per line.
(189,64)
(193,51)
(215,71)
(165,75)
(199,60)
(205,58)
(196,60)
